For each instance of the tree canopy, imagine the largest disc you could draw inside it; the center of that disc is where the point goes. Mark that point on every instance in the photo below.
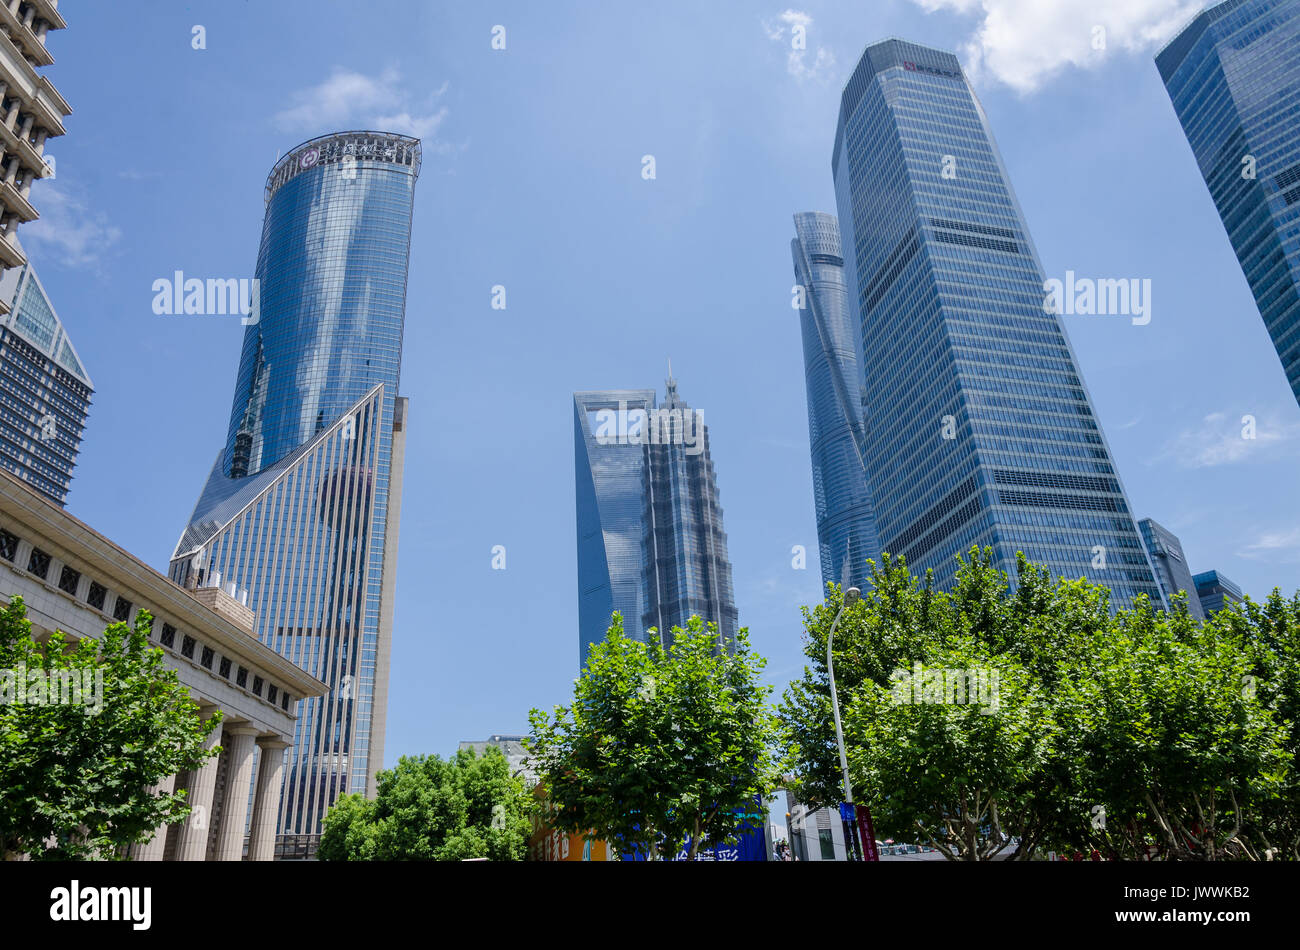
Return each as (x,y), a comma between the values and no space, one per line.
(664,747)
(77,775)
(433,809)
(987,715)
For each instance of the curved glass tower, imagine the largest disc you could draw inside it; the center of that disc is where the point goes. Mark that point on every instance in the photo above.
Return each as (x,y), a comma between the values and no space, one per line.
(1233,75)
(846,527)
(299,516)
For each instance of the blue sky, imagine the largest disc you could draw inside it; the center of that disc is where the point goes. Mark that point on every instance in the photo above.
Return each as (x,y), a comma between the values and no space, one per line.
(532,179)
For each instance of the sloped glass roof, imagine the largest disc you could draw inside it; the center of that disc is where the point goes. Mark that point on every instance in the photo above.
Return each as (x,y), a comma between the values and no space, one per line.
(33,318)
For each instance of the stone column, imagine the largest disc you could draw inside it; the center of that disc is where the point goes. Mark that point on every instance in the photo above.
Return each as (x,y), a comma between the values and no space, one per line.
(153,851)
(266,802)
(234,805)
(192,843)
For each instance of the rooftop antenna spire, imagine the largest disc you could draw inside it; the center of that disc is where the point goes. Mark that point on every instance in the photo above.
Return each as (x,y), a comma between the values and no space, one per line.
(672,384)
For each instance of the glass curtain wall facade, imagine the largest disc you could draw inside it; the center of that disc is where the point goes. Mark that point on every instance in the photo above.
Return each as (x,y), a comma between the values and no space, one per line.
(846,528)
(1172,572)
(1216,591)
(1233,75)
(650,539)
(302,505)
(44,390)
(979,430)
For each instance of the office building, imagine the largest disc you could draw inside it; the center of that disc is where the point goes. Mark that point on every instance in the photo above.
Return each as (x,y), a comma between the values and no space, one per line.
(512,747)
(1216,591)
(979,429)
(846,529)
(44,389)
(302,505)
(73,579)
(650,539)
(1233,75)
(31,113)
(1172,573)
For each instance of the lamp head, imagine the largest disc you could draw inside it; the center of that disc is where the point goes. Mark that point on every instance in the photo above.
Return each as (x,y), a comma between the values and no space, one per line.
(851,596)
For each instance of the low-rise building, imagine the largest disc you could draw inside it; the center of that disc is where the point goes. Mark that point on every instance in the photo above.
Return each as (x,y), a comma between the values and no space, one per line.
(73,579)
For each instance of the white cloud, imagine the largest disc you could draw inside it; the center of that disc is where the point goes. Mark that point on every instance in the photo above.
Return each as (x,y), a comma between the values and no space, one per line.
(792,27)
(1222,440)
(351,98)
(1275,541)
(1023,43)
(68,228)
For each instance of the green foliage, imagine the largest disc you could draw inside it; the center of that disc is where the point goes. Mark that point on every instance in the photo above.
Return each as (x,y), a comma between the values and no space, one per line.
(76,777)
(433,809)
(1140,734)
(662,745)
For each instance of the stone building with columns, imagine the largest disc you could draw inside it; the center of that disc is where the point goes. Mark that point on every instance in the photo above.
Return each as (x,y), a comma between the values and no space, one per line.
(72,578)
(31,111)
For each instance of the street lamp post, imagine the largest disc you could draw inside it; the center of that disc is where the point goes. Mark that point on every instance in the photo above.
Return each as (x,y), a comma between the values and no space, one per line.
(850,597)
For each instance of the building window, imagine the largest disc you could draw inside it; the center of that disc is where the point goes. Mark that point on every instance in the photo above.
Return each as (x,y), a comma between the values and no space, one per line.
(187,647)
(169,636)
(241,678)
(38,563)
(95,596)
(272,694)
(8,545)
(208,656)
(224,668)
(257,686)
(68,580)
(284,701)
(121,608)
(827,844)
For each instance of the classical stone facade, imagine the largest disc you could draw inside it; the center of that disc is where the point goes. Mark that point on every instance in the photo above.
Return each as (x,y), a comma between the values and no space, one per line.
(73,579)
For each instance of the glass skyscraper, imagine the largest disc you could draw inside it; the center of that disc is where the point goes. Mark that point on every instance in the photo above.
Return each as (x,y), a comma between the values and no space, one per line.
(1216,591)
(650,539)
(300,513)
(845,525)
(1172,572)
(44,390)
(1233,75)
(978,427)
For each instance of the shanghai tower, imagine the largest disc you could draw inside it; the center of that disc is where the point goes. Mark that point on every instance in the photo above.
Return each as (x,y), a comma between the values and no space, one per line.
(299,516)
(978,428)
(846,528)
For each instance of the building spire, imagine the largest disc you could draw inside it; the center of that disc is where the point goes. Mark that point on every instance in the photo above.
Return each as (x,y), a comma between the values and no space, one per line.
(671,384)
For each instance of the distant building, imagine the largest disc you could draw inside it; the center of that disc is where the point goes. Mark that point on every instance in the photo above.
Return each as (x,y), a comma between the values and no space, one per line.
(1216,591)
(1233,76)
(512,747)
(814,835)
(650,539)
(1172,573)
(846,526)
(44,390)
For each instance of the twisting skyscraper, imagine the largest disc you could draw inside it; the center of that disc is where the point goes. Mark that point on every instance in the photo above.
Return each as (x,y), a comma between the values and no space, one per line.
(978,428)
(1233,75)
(650,539)
(846,528)
(301,508)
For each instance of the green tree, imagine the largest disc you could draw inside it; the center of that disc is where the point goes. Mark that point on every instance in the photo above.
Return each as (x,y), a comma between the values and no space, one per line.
(1137,732)
(75,778)
(662,745)
(1168,748)
(433,809)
